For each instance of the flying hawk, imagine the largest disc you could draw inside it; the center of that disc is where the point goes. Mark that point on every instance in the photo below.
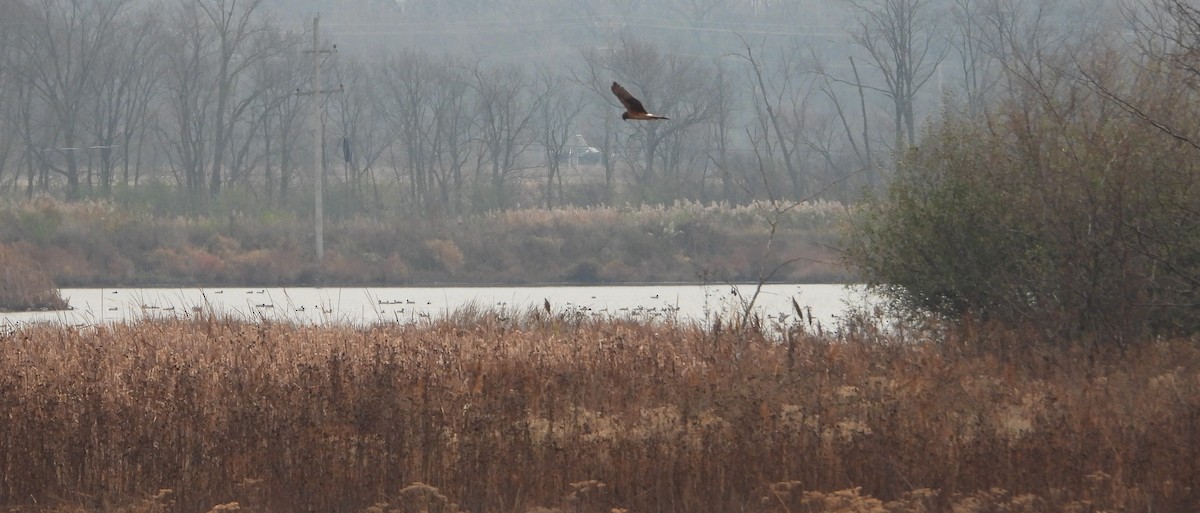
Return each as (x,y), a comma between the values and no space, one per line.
(633,106)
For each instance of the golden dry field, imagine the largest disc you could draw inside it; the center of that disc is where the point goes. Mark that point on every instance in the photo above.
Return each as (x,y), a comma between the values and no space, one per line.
(547,413)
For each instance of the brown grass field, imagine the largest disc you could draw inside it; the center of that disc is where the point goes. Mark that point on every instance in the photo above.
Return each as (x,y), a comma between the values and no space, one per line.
(543,413)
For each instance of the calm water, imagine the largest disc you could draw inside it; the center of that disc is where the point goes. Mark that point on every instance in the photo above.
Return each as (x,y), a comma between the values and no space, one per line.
(368,305)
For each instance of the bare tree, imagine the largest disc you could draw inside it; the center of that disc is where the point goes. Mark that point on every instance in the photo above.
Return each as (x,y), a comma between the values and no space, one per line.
(123,91)
(144,84)
(900,38)
(1167,37)
(719,134)
(450,140)
(426,105)
(265,121)
(408,85)
(235,24)
(975,64)
(675,85)
(360,126)
(1030,43)
(17,16)
(226,75)
(770,100)
(283,130)
(34,134)
(505,113)
(188,72)
(859,141)
(556,120)
(61,59)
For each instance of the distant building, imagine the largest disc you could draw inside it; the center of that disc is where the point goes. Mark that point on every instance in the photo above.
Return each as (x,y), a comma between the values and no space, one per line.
(578,151)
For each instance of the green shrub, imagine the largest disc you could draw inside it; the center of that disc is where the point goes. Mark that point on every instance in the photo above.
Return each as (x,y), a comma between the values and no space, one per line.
(942,238)
(1082,223)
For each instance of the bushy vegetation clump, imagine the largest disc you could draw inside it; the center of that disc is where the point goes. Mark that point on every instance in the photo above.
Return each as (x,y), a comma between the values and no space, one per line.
(24,284)
(552,412)
(1056,209)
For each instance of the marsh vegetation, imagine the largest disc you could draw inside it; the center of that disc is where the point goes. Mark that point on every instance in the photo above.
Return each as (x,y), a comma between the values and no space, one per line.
(1036,220)
(106,244)
(546,413)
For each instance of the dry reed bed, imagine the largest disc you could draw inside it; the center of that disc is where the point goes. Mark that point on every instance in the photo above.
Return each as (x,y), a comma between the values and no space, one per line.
(97,243)
(480,414)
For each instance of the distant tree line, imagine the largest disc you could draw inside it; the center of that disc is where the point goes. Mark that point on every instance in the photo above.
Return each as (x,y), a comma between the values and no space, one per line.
(202,104)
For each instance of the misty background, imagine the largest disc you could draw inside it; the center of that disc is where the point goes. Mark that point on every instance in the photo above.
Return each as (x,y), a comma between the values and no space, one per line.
(460,107)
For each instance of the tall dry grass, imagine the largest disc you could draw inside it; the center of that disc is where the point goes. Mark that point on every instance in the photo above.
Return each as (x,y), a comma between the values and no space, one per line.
(24,282)
(494,412)
(94,244)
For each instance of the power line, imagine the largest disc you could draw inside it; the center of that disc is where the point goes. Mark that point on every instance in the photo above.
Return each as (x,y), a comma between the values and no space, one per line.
(525,25)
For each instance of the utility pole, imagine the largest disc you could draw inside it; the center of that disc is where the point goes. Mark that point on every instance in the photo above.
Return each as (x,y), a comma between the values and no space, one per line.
(319,133)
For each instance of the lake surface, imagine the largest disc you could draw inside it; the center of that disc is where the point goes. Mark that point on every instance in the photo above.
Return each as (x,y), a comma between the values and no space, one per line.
(370,305)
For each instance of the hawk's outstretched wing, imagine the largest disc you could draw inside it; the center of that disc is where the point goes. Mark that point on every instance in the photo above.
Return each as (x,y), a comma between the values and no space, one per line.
(633,106)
